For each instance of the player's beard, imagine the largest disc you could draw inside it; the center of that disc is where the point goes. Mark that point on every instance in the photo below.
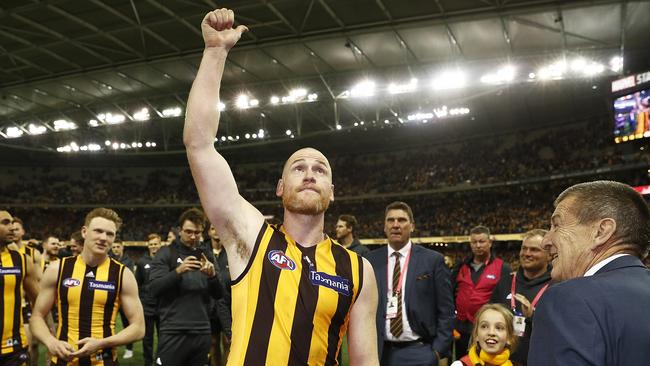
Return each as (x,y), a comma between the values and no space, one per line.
(312,207)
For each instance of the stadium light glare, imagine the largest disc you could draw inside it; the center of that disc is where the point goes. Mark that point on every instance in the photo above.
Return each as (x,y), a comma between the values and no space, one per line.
(141,115)
(616,64)
(593,69)
(115,146)
(287,132)
(94,147)
(449,80)
(505,74)
(254,135)
(153,144)
(36,129)
(261,133)
(578,64)
(553,71)
(63,125)
(13,132)
(111,119)
(365,88)
(172,112)
(247,136)
(221,107)
(338,126)
(312,97)
(93,123)
(107,142)
(254,102)
(411,86)
(275,99)
(298,93)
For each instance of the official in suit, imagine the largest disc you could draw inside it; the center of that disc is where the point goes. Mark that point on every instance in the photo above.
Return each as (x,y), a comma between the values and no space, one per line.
(600,314)
(416,309)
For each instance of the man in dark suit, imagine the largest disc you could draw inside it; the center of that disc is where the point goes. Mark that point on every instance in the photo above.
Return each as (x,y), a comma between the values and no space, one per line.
(416,308)
(599,316)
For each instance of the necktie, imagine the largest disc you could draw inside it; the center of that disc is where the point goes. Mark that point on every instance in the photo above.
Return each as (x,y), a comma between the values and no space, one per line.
(396,322)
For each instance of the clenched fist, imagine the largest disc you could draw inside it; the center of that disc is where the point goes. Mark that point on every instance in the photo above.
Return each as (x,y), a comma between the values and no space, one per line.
(218,31)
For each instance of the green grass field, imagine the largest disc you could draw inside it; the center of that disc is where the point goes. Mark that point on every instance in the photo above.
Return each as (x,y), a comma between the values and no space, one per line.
(138,360)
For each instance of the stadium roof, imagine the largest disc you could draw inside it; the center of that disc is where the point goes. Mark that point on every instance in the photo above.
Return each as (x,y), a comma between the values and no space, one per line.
(77,61)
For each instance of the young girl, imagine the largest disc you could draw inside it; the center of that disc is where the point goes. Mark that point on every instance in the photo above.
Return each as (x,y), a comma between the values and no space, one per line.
(493,338)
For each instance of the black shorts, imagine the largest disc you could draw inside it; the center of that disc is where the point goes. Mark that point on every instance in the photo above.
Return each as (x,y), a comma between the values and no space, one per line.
(19,358)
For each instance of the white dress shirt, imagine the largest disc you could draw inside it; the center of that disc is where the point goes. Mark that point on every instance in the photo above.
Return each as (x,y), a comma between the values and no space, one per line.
(407,334)
(596,267)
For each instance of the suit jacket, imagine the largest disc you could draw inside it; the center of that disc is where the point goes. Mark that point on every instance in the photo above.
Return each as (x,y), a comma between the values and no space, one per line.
(428,298)
(601,320)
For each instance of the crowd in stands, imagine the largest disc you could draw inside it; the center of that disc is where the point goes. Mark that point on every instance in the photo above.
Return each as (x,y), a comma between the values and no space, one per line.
(470,162)
(152,198)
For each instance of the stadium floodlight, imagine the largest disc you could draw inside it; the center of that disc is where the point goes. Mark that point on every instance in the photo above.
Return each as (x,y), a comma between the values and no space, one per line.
(455,79)
(223,138)
(298,93)
(141,115)
(287,132)
(115,146)
(122,145)
(111,119)
(94,147)
(593,69)
(578,64)
(247,136)
(532,75)
(555,70)
(221,107)
(107,142)
(13,132)
(93,123)
(254,135)
(172,112)
(36,129)
(365,88)
(139,144)
(338,126)
(243,101)
(153,144)
(261,133)
(312,97)
(503,75)
(147,144)
(254,103)
(63,125)
(411,86)
(275,100)
(419,116)
(616,64)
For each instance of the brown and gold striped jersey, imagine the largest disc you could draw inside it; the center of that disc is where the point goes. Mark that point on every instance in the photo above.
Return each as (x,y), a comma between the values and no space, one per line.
(12,273)
(88,301)
(291,305)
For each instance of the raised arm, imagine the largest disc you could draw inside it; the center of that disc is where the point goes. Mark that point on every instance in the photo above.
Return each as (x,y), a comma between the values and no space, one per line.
(233,216)
(132,309)
(362,337)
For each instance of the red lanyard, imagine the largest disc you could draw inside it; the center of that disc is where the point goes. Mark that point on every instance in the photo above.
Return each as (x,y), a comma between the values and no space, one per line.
(401,275)
(513,292)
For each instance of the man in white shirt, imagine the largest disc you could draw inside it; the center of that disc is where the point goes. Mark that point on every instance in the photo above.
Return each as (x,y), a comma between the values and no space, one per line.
(416,308)
(600,232)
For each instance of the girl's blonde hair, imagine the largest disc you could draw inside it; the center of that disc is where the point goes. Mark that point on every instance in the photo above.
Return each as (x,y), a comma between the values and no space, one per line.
(512,339)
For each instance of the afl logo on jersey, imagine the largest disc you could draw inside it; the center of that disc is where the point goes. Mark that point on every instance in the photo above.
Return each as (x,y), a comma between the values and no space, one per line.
(491,277)
(280,260)
(71,282)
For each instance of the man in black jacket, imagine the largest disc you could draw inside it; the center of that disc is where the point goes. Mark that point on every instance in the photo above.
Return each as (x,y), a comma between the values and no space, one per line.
(183,277)
(345,235)
(522,289)
(149,302)
(117,253)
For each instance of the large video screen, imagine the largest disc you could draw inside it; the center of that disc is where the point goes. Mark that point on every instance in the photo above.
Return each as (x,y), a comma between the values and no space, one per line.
(631,116)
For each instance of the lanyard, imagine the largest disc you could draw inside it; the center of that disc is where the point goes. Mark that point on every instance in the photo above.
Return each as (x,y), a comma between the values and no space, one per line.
(513,292)
(401,275)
